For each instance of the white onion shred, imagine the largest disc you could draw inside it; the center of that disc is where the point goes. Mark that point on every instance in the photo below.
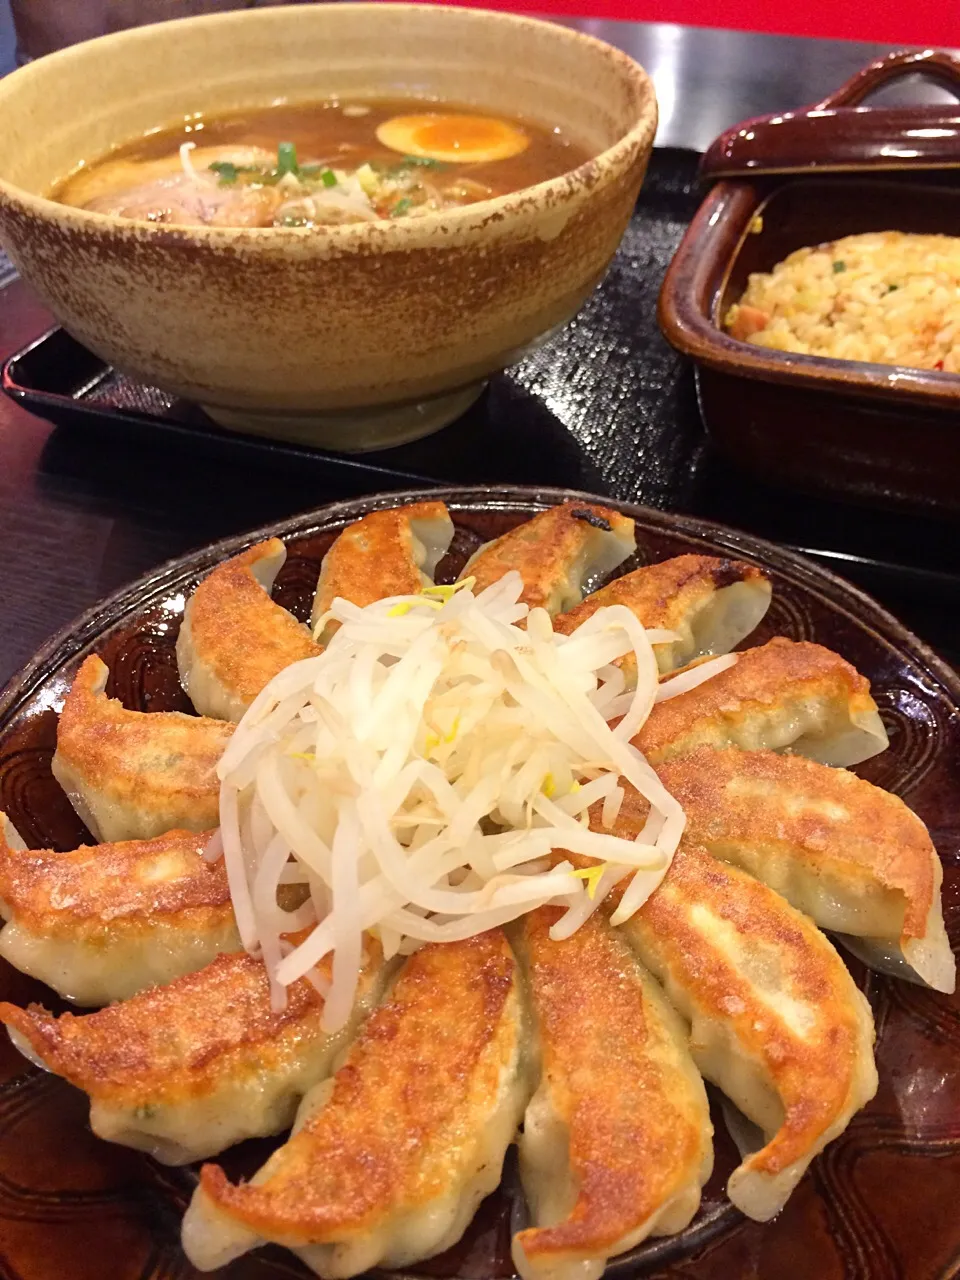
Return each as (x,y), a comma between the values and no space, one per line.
(694,676)
(415,777)
(186,163)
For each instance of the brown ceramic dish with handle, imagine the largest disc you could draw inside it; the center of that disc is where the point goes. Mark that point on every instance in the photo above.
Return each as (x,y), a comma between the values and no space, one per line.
(882,434)
(879,1204)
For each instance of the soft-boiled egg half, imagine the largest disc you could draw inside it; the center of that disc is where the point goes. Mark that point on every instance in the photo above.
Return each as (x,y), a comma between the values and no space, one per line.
(454,139)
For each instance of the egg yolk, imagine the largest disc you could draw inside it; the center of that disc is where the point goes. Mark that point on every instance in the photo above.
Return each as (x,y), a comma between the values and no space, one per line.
(454,139)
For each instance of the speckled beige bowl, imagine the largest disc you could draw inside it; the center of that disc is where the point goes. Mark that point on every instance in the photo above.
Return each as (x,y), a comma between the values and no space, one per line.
(353,337)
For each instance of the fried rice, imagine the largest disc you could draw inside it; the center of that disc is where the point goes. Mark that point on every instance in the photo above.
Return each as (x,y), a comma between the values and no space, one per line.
(886,297)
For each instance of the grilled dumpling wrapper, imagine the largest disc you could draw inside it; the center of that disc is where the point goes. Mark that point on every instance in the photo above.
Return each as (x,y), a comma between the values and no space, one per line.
(234,638)
(132,775)
(617,1140)
(186,1070)
(390,1159)
(387,553)
(103,922)
(783,694)
(849,855)
(712,604)
(776,1020)
(557,554)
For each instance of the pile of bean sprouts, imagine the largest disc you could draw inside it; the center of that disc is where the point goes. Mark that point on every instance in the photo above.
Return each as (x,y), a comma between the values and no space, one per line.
(421,779)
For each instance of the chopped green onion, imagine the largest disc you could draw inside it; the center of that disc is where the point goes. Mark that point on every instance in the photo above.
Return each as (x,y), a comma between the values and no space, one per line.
(328,178)
(406,164)
(401,207)
(225,171)
(229,172)
(286,159)
(423,162)
(838,267)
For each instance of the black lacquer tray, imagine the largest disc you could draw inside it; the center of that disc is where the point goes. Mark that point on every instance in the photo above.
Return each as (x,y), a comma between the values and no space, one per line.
(606,406)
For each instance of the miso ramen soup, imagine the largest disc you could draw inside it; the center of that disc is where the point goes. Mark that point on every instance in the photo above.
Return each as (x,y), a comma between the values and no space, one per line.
(320,164)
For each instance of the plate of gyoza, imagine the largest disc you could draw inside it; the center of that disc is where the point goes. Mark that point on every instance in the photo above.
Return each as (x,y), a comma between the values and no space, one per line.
(481,883)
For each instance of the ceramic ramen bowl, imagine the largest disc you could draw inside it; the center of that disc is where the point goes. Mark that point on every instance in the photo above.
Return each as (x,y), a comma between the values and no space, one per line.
(353,337)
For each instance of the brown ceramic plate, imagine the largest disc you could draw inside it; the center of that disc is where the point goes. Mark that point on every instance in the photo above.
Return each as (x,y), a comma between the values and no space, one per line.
(879,433)
(880,1204)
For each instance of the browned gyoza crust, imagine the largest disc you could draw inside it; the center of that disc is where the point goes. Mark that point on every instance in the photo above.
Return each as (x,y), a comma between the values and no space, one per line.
(234,639)
(100,890)
(675,595)
(777,1021)
(851,856)
(774,696)
(419,1093)
(102,923)
(552,551)
(378,556)
(618,1083)
(177,1041)
(133,775)
(188,1069)
(788,809)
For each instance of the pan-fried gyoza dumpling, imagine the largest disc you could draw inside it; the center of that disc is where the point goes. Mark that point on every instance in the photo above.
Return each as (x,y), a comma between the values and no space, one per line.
(851,856)
(777,1022)
(712,604)
(387,553)
(234,638)
(103,922)
(785,694)
(389,1159)
(557,554)
(617,1140)
(132,775)
(186,1070)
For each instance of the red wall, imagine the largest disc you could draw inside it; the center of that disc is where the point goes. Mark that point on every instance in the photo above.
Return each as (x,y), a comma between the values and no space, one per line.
(894,22)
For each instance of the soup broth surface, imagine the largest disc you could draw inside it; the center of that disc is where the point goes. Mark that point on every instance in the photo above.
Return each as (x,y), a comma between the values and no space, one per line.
(320,164)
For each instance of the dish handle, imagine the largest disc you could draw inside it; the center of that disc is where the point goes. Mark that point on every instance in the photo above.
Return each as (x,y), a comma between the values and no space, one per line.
(931,64)
(840,134)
